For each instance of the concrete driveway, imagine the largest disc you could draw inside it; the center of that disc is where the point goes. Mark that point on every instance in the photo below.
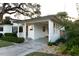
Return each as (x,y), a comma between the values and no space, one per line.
(23,48)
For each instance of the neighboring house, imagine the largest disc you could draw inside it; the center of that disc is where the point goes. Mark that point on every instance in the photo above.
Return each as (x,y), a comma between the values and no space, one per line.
(35,28)
(46,26)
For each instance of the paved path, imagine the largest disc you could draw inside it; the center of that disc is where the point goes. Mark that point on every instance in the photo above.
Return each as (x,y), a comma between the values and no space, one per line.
(23,48)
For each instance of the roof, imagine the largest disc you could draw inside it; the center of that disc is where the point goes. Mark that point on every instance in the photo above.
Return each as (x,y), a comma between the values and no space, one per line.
(51,17)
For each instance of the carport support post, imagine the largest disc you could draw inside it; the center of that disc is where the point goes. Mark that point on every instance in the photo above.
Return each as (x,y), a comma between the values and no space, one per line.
(50,27)
(18,30)
(24,31)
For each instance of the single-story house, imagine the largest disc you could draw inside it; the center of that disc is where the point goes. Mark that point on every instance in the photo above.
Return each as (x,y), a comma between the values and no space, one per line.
(35,28)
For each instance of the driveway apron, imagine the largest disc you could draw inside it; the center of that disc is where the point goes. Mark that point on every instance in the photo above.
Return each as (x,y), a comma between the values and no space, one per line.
(23,48)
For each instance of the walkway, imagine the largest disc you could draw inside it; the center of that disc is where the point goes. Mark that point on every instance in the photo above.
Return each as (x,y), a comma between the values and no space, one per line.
(23,48)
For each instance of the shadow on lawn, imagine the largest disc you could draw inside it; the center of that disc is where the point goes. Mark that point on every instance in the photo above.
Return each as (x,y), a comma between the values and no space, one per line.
(40,54)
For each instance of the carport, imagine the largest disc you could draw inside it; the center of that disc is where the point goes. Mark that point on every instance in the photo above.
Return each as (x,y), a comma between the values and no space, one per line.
(47,26)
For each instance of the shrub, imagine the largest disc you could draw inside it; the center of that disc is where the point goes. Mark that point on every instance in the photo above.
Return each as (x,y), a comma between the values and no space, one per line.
(62,49)
(12,39)
(1,35)
(57,41)
(74,51)
(50,43)
(72,46)
(10,34)
(73,34)
(61,40)
(72,42)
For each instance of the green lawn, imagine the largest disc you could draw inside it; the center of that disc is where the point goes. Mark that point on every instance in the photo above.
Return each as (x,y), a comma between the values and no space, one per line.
(5,43)
(39,54)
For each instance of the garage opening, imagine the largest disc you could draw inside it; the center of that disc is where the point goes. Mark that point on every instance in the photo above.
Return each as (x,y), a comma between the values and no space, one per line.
(38,30)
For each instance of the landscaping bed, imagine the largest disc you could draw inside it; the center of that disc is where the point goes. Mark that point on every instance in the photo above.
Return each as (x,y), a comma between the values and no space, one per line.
(11,37)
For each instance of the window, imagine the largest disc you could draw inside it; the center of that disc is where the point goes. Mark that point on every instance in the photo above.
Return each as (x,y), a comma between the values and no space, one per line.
(1,28)
(14,29)
(20,29)
(44,29)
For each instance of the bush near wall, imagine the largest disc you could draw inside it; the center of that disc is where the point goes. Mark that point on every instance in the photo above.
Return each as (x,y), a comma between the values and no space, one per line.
(50,43)
(10,34)
(71,47)
(61,39)
(12,39)
(1,35)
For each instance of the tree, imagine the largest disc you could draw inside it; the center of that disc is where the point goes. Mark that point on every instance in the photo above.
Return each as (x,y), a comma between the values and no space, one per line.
(64,18)
(62,15)
(71,45)
(28,9)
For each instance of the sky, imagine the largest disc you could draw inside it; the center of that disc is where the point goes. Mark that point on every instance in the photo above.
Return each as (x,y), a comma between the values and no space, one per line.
(49,7)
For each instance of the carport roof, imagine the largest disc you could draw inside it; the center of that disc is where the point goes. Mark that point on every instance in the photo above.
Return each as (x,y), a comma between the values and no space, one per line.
(51,17)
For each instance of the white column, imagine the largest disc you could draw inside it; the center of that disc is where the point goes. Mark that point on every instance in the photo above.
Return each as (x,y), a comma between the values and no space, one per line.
(24,31)
(18,31)
(51,31)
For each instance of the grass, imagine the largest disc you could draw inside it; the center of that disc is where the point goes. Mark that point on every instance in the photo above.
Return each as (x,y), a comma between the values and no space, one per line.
(39,54)
(5,43)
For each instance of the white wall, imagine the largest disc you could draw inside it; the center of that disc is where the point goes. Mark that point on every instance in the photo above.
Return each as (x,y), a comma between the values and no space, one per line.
(51,31)
(56,34)
(20,34)
(24,30)
(38,31)
(31,32)
(54,31)
(6,29)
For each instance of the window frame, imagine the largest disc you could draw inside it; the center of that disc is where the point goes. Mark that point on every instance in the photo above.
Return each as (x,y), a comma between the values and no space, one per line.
(1,28)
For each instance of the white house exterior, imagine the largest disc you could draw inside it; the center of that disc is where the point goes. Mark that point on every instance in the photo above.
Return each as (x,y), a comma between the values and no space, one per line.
(5,28)
(47,26)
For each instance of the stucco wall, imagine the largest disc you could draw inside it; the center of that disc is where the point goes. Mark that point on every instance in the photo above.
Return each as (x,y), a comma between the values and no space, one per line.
(6,29)
(51,31)
(31,31)
(54,31)
(38,31)
(56,35)
(20,34)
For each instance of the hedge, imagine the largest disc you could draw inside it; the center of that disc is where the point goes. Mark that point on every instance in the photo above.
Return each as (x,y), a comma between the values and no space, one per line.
(1,35)
(50,43)
(10,34)
(12,39)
